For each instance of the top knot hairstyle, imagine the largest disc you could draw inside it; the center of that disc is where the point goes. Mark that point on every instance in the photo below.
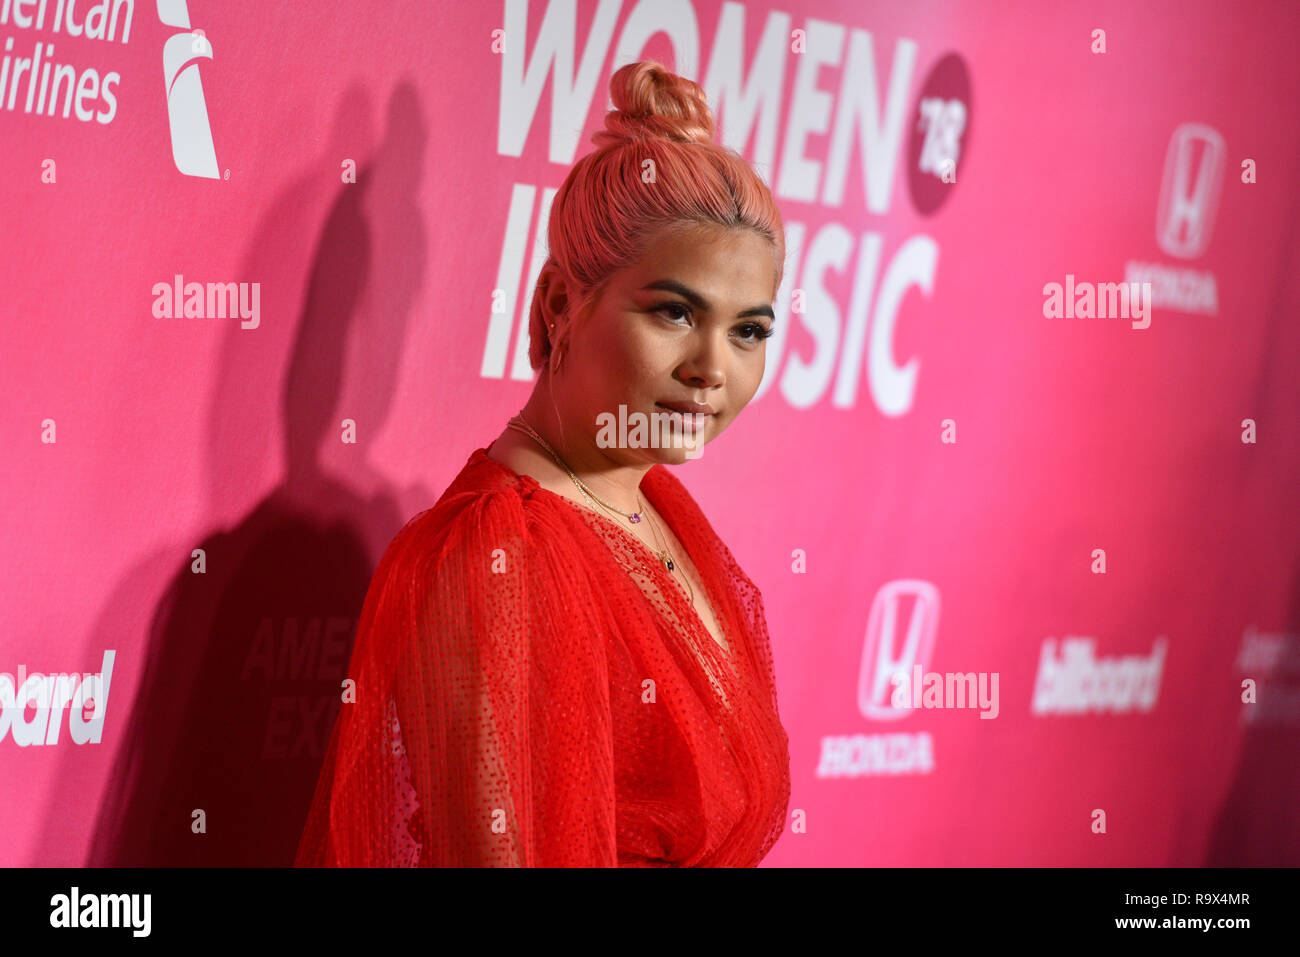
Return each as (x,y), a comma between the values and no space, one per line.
(609,205)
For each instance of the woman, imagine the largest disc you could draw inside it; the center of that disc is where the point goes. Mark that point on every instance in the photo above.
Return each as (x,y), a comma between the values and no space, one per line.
(560,664)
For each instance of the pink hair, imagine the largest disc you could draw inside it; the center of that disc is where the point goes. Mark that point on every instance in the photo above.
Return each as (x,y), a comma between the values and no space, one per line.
(604,212)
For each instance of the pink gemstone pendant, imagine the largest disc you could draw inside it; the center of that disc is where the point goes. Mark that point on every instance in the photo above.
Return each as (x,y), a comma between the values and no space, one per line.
(636,517)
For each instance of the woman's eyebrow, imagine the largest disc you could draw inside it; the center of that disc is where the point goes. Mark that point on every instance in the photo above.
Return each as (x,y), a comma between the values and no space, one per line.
(699,302)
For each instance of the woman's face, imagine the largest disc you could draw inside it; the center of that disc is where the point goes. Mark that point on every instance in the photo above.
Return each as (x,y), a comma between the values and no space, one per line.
(683,325)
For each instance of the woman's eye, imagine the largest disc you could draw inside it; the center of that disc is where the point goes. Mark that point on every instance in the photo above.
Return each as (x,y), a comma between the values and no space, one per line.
(754,332)
(749,333)
(674,310)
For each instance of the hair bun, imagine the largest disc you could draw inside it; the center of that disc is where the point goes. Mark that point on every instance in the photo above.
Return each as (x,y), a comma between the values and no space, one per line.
(651,101)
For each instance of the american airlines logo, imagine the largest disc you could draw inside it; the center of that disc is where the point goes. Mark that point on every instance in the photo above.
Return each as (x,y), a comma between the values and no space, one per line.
(884,656)
(187,111)
(1189,192)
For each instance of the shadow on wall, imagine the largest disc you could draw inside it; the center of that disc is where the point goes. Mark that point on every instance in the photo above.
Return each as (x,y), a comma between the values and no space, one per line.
(240,683)
(1258,821)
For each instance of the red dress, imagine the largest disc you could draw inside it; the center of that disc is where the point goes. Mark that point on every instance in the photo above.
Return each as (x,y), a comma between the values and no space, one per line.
(533,688)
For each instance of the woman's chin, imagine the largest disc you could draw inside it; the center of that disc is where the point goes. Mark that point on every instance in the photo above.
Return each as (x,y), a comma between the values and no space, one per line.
(686,450)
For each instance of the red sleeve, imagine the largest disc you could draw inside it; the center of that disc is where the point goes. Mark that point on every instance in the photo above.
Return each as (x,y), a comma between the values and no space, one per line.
(480,734)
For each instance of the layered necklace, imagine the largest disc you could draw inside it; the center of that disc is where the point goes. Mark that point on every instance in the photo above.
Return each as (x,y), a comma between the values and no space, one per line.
(634,518)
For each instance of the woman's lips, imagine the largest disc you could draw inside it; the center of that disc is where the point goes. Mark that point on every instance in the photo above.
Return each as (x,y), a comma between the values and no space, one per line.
(688,406)
(691,421)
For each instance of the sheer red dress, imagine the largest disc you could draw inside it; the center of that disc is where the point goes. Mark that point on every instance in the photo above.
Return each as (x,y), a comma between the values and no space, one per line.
(533,688)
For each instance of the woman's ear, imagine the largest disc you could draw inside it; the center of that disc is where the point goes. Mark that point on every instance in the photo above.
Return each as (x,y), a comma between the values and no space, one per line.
(553,288)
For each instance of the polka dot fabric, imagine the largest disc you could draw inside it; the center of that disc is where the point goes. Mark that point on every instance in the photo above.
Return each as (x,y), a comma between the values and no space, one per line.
(534,689)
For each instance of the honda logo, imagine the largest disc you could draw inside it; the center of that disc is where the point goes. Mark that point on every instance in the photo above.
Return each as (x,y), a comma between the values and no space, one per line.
(1189,193)
(884,656)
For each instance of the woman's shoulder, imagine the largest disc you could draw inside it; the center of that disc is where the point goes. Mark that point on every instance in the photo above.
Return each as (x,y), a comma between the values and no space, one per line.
(486,505)
(480,477)
(671,496)
(481,485)
(488,502)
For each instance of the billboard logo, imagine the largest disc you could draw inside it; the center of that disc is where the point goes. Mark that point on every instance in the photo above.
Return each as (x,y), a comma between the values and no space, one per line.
(1189,192)
(187,111)
(884,656)
(83,696)
(1073,681)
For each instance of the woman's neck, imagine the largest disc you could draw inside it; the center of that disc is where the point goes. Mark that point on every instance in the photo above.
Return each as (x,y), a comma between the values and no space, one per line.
(609,478)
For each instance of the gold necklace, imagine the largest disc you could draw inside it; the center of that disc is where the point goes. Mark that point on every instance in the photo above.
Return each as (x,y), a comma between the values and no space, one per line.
(655,530)
(519,424)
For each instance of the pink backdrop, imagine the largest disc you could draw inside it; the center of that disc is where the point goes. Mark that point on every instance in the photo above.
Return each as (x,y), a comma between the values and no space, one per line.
(924,480)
